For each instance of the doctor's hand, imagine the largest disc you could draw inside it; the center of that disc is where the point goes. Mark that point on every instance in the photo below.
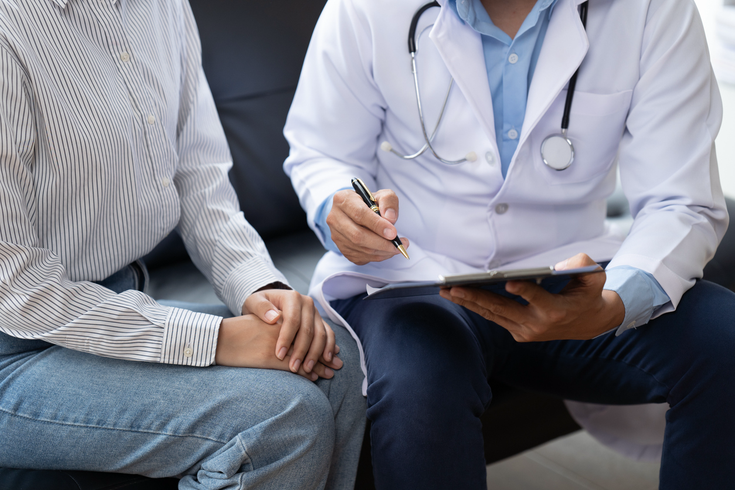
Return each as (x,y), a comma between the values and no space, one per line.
(361,235)
(583,310)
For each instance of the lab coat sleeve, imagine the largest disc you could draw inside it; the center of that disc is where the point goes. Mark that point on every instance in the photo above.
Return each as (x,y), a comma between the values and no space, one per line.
(667,160)
(337,113)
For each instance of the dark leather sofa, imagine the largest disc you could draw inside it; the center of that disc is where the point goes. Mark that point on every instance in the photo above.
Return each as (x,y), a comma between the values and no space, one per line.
(252,54)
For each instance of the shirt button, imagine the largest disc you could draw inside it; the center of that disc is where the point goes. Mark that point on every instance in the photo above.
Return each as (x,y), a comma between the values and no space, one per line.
(501,208)
(188,352)
(165,182)
(124,57)
(489,158)
(512,134)
(151,119)
(513,59)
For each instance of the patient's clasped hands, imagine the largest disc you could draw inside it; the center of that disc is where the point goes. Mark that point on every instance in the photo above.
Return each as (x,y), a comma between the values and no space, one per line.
(279,329)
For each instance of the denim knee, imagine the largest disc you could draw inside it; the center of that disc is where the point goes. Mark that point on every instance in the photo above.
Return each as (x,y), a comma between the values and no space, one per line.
(313,416)
(348,380)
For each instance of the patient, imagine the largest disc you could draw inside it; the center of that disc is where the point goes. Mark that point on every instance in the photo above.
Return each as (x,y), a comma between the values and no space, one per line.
(110,140)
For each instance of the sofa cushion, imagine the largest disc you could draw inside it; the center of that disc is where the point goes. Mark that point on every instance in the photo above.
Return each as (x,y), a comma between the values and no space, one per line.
(252,54)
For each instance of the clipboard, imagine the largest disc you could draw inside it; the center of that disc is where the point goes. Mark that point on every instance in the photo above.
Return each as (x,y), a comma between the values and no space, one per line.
(550,279)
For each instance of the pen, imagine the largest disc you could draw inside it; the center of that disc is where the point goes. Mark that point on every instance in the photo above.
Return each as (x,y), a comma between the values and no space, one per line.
(367,196)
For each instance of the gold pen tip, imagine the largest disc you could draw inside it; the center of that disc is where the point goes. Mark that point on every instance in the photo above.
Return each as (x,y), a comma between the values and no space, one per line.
(403,251)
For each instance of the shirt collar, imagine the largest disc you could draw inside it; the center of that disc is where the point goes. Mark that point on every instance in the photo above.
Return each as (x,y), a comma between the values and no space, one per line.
(466,10)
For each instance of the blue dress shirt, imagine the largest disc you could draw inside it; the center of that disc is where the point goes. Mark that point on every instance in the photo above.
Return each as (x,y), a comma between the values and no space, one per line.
(510,64)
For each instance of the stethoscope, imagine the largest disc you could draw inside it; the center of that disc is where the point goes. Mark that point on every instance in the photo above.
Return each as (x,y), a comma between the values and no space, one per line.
(557,150)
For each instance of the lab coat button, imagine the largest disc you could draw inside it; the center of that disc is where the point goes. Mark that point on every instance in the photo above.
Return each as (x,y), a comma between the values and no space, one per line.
(151,119)
(512,134)
(513,59)
(188,352)
(124,57)
(501,208)
(489,158)
(165,182)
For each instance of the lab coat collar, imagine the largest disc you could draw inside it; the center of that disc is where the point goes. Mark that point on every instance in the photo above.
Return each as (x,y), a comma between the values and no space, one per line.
(460,47)
(563,51)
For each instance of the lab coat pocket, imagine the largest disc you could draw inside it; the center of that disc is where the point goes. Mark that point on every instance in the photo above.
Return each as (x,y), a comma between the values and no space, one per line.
(596,125)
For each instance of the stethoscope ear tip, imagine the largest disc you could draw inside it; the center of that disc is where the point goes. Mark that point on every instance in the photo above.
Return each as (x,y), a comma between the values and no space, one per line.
(471,156)
(385,146)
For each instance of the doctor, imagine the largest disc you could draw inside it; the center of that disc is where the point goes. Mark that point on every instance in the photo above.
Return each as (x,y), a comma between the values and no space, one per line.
(482,195)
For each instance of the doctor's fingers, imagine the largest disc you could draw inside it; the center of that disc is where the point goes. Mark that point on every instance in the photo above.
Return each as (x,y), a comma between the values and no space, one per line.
(360,245)
(348,208)
(534,294)
(544,318)
(492,307)
(361,255)
(489,305)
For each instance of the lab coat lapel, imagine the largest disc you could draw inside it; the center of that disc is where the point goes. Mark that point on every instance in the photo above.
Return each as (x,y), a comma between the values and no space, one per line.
(564,48)
(460,47)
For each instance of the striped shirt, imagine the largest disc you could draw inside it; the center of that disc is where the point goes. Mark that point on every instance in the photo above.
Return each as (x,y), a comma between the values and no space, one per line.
(109,139)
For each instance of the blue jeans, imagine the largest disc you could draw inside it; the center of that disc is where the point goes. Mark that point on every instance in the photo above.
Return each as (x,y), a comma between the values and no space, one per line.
(214,427)
(429,364)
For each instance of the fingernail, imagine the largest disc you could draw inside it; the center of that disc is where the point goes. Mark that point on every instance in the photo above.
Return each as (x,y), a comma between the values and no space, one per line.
(313,376)
(458,293)
(390,214)
(271,315)
(296,365)
(561,265)
(282,353)
(338,362)
(328,373)
(329,356)
(387,233)
(309,365)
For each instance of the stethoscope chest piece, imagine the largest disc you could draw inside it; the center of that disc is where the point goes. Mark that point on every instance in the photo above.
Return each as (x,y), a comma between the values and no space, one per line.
(557,151)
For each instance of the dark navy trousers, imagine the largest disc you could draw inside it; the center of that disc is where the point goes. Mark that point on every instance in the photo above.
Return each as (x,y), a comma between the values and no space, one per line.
(429,362)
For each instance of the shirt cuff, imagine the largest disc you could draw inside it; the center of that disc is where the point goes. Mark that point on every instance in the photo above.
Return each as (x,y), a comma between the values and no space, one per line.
(640,292)
(246,279)
(190,338)
(320,221)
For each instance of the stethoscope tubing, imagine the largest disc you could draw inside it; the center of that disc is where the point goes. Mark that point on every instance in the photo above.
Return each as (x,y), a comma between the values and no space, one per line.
(412,49)
(573,80)
(414,25)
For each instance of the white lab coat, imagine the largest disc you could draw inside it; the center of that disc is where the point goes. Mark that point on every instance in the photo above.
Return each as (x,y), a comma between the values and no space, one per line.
(646,102)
